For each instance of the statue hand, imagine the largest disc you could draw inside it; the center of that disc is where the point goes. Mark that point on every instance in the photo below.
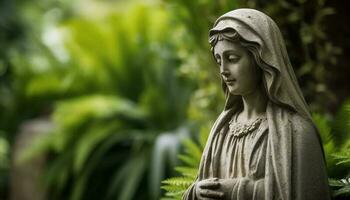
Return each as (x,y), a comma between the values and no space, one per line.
(208,189)
(226,187)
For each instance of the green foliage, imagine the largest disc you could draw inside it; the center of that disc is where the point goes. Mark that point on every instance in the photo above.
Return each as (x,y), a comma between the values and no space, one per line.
(335,136)
(4,161)
(336,146)
(111,89)
(82,140)
(4,150)
(121,80)
(342,158)
(176,186)
(342,186)
(324,127)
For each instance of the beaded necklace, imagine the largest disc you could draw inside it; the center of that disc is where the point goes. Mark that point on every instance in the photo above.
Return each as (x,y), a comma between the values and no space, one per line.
(238,129)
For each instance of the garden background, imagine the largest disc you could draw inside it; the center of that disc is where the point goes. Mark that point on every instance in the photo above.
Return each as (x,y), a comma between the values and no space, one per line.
(102,99)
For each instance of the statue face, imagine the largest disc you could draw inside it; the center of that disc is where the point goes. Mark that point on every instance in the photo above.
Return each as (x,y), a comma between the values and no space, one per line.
(237,67)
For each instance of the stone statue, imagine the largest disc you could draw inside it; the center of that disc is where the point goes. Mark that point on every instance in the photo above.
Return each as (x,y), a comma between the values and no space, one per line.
(264,145)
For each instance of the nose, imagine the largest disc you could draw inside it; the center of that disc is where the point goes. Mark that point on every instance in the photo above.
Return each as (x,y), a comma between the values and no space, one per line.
(225,73)
(223,69)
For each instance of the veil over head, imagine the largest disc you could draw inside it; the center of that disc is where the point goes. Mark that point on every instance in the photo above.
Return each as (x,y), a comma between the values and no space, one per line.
(278,75)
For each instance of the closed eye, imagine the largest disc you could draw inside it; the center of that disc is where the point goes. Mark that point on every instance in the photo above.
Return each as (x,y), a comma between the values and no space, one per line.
(233,58)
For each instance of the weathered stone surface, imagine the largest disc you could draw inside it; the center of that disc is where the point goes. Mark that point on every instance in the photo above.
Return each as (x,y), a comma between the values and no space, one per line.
(264,144)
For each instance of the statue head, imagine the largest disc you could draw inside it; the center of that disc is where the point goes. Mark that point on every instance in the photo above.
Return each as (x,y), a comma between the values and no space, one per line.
(239,68)
(256,35)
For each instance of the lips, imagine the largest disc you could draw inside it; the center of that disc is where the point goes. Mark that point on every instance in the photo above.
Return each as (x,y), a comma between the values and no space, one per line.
(230,81)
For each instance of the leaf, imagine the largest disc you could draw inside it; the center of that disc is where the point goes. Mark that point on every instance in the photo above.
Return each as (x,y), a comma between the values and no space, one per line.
(335,182)
(341,124)
(190,172)
(58,171)
(342,157)
(323,127)
(135,173)
(178,181)
(89,140)
(176,186)
(189,160)
(173,189)
(344,185)
(193,150)
(343,191)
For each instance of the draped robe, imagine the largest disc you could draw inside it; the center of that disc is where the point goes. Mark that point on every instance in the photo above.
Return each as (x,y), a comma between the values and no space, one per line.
(293,162)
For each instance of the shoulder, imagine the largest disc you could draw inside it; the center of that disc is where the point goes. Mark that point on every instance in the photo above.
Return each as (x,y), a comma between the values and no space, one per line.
(304,130)
(301,124)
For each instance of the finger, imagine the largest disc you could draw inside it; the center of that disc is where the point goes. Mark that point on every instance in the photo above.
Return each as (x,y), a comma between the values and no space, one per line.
(212,194)
(210,180)
(213,179)
(209,185)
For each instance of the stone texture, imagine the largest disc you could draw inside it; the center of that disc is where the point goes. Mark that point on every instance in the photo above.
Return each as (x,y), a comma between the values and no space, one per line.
(282,156)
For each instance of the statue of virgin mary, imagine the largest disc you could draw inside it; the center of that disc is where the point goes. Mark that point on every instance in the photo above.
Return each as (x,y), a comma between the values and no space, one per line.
(264,145)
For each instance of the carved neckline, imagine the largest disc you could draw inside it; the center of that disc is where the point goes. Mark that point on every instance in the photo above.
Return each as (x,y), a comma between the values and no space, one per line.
(238,129)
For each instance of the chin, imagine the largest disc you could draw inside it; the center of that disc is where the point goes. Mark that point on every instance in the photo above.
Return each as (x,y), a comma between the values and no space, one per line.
(234,92)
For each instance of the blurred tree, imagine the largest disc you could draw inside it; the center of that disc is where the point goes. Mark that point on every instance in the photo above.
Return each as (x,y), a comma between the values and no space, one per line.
(114,92)
(11,35)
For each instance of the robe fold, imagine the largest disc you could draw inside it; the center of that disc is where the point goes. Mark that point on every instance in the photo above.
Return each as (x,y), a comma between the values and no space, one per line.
(282,159)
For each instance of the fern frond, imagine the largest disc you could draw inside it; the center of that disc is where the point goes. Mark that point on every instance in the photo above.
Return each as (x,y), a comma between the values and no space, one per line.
(342,157)
(334,182)
(178,193)
(189,160)
(193,150)
(175,187)
(172,188)
(166,198)
(178,181)
(344,185)
(189,172)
